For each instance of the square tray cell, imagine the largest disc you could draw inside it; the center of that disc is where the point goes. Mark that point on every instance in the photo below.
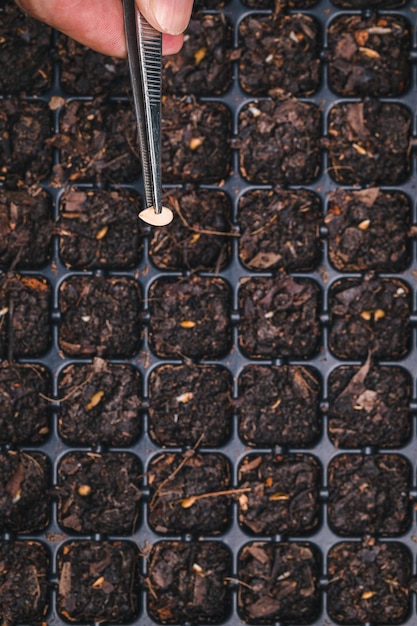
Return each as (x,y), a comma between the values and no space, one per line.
(190,404)
(279,142)
(200,236)
(369,143)
(97,143)
(25,152)
(26,229)
(281,494)
(24,585)
(369,229)
(85,72)
(279,582)
(100,404)
(26,59)
(368,582)
(190,316)
(279,229)
(369,56)
(204,65)
(100,229)
(279,51)
(99,493)
(279,405)
(187,582)
(24,408)
(188,493)
(24,303)
(279,317)
(195,140)
(369,316)
(98,581)
(369,406)
(100,317)
(369,494)
(24,491)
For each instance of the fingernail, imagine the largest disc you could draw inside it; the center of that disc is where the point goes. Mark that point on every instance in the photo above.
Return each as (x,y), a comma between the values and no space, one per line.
(171,15)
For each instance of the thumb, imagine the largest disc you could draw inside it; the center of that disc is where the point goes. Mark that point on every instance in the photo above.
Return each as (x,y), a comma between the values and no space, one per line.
(168,16)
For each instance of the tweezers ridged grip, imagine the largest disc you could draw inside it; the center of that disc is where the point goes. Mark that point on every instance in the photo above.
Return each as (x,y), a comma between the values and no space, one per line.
(151,50)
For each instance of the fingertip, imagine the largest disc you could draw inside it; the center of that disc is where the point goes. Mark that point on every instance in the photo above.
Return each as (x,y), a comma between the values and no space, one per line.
(171,44)
(168,16)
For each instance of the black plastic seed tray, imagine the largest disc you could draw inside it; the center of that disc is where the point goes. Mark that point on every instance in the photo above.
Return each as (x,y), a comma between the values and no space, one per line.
(245,450)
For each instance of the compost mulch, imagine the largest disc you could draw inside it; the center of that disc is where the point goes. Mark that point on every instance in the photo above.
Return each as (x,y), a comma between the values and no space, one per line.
(203,66)
(279,141)
(100,404)
(98,581)
(369,57)
(99,229)
(200,237)
(369,230)
(189,404)
(212,422)
(24,406)
(279,229)
(279,52)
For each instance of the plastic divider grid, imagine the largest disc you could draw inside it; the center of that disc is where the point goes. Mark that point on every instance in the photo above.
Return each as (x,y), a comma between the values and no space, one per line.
(324,538)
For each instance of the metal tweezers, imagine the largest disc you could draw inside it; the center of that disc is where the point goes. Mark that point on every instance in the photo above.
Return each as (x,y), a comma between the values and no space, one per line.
(144,48)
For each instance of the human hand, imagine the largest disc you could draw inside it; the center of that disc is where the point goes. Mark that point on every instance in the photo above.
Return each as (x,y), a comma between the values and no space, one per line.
(98,24)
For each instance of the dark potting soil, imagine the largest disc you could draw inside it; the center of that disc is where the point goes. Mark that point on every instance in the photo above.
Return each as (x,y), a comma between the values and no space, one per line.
(198,5)
(188,493)
(190,317)
(279,229)
(369,406)
(85,72)
(98,581)
(279,582)
(369,143)
(369,582)
(99,493)
(25,153)
(203,67)
(24,408)
(100,229)
(200,237)
(190,404)
(279,52)
(369,56)
(369,229)
(369,316)
(187,582)
(279,317)
(100,404)
(282,494)
(195,140)
(24,570)
(24,491)
(369,494)
(272,4)
(97,143)
(24,306)
(100,316)
(25,229)
(369,4)
(279,142)
(25,49)
(279,405)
